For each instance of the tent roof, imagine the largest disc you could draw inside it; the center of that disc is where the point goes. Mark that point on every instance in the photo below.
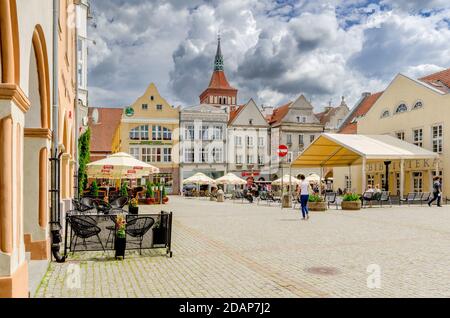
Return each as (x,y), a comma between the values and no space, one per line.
(334,150)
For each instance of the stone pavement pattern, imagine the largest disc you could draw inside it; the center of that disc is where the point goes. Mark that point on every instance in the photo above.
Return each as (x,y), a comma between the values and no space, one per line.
(242,250)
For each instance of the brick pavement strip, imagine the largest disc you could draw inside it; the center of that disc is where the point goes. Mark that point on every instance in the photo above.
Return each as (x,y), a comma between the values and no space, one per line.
(243,250)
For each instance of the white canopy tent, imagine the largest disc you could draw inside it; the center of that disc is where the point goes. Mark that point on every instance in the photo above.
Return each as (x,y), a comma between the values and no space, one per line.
(286,180)
(231,179)
(313,178)
(340,150)
(199,179)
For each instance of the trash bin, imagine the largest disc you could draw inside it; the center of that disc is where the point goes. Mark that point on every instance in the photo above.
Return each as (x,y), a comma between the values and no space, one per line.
(220,196)
(286,201)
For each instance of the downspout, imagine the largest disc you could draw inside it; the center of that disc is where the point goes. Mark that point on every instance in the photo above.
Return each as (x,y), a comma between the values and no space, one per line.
(55,224)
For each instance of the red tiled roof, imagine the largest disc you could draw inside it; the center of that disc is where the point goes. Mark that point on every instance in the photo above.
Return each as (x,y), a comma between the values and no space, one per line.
(279,113)
(349,126)
(219,80)
(234,113)
(439,80)
(102,133)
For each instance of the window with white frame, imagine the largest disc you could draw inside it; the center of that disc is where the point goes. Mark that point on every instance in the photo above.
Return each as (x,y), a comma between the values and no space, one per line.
(159,107)
(238,159)
(437,138)
(144,106)
(139,133)
(156,133)
(167,134)
(217,154)
(189,132)
(189,155)
(146,154)
(217,133)
(134,151)
(261,160)
(348,183)
(204,132)
(289,139)
(418,137)
(238,141)
(312,138)
(155,154)
(400,135)
(204,155)
(401,109)
(260,141)
(249,141)
(167,154)
(301,141)
(250,159)
(371,180)
(418,181)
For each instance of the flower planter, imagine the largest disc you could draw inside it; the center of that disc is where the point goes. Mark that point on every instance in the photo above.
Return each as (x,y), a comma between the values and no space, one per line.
(120,244)
(351,205)
(165,200)
(317,206)
(133,209)
(150,201)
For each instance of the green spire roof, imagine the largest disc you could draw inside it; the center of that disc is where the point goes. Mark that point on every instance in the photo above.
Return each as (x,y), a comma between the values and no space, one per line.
(218,61)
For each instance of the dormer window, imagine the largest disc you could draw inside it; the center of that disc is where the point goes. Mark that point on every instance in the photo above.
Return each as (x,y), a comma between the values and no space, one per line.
(418,105)
(385,114)
(401,109)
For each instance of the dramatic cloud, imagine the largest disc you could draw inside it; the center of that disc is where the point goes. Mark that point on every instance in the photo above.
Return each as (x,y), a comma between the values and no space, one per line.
(274,50)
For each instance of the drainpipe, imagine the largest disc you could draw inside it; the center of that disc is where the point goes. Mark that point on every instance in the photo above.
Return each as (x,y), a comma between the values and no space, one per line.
(55,224)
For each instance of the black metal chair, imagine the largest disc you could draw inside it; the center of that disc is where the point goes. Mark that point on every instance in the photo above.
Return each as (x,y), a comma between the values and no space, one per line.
(331,198)
(409,198)
(86,204)
(119,203)
(385,197)
(367,197)
(83,227)
(426,196)
(137,227)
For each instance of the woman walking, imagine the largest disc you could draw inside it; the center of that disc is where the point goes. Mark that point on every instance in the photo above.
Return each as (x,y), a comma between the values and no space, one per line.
(437,192)
(304,190)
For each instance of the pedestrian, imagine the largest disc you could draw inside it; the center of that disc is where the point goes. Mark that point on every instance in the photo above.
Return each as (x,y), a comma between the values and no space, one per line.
(304,191)
(437,192)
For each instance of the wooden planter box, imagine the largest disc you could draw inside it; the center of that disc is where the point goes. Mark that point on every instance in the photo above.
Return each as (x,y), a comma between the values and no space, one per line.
(317,206)
(351,205)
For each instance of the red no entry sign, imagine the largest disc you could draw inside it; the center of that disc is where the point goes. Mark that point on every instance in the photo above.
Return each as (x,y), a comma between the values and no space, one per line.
(282,151)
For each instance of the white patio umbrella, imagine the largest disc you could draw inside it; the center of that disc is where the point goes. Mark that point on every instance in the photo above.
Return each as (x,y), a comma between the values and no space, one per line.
(232,179)
(200,179)
(313,178)
(120,166)
(286,180)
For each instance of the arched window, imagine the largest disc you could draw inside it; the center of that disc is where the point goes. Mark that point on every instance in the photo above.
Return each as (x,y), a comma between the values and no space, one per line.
(418,105)
(139,133)
(401,109)
(385,114)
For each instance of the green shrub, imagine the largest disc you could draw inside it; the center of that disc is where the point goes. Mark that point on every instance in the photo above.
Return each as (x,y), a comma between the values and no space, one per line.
(351,197)
(124,189)
(163,193)
(149,193)
(315,198)
(94,188)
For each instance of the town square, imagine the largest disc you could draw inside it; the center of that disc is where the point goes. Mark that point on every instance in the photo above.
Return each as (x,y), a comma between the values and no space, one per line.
(224,150)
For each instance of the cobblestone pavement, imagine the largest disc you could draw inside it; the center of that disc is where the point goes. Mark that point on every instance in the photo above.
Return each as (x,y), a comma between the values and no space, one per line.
(242,250)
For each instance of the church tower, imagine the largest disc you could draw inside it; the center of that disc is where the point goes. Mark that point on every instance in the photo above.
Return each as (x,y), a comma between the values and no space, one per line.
(219,91)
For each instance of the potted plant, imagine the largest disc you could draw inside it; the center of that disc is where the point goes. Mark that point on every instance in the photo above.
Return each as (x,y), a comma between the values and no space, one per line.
(94,189)
(157,194)
(164,195)
(150,194)
(121,236)
(351,201)
(160,230)
(317,203)
(133,207)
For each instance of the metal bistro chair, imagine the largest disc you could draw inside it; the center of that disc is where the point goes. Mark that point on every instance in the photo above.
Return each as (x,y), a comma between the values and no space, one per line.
(331,198)
(138,227)
(426,196)
(385,197)
(87,204)
(409,198)
(367,197)
(84,227)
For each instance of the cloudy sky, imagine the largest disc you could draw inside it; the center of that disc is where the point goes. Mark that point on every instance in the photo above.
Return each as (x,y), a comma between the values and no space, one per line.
(273,50)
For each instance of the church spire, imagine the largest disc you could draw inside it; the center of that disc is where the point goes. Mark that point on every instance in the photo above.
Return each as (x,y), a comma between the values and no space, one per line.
(218,61)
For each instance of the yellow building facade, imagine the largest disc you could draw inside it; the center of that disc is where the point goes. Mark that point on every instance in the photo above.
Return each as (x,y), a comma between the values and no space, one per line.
(149,131)
(415,111)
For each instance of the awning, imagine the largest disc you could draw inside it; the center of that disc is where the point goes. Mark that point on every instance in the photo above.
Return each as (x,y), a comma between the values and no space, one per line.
(339,150)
